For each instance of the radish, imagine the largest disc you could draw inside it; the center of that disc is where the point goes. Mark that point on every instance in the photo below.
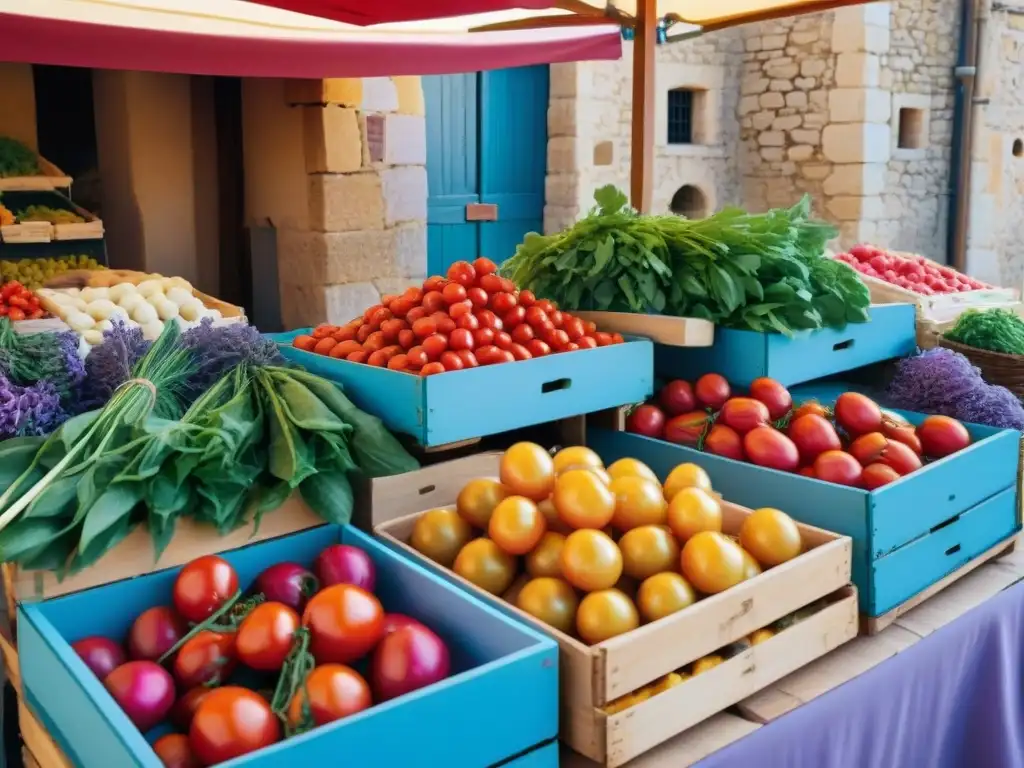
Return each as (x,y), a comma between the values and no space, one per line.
(144,690)
(100,654)
(406,660)
(287,583)
(342,564)
(155,632)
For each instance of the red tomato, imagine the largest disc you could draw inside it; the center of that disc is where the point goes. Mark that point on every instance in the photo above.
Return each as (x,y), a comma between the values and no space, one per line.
(743,414)
(207,658)
(587,342)
(424,327)
(503,356)
(435,283)
(603,339)
(536,316)
(837,467)
(174,751)
(940,436)
(414,314)
(461,273)
(335,691)
(265,636)
(483,337)
(154,633)
(489,320)
(538,348)
(519,352)
(687,428)
(345,623)
(406,338)
(484,266)
(723,441)
(487,354)
(522,334)
(646,420)
(869,448)
(433,301)
(461,309)
(490,283)
(398,363)
(514,316)
(435,345)
(451,361)
(807,472)
(557,318)
(546,305)
(203,586)
(711,390)
(676,397)
(858,414)
(573,326)
(444,323)
(184,709)
(767,447)
(232,722)
(430,369)
(478,296)
(460,339)
(557,339)
(877,475)
(809,407)
(527,298)
(501,303)
(454,292)
(773,395)
(468,358)
(813,435)
(416,358)
(900,457)
(469,322)
(502,340)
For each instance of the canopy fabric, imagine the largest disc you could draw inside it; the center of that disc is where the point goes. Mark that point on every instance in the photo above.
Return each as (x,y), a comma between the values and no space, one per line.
(237,38)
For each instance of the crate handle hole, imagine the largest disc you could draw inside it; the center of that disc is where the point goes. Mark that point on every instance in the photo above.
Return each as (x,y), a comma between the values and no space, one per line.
(555,386)
(952,497)
(427,489)
(841,345)
(945,524)
(953,550)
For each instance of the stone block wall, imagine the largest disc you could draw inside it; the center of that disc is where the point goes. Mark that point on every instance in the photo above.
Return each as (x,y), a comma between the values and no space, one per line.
(364,229)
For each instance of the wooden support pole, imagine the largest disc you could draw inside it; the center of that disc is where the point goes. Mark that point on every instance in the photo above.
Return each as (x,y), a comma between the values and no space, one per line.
(642,156)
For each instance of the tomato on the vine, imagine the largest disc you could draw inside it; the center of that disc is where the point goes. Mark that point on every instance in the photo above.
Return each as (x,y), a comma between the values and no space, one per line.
(203,586)
(345,622)
(207,658)
(335,691)
(265,636)
(232,722)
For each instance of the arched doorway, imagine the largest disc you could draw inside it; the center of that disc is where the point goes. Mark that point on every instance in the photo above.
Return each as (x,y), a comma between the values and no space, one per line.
(690,202)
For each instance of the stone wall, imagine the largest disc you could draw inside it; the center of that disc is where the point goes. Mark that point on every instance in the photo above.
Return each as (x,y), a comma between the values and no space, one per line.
(355,228)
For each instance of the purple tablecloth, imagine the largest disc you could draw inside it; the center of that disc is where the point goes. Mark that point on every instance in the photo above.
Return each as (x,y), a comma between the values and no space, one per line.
(952,700)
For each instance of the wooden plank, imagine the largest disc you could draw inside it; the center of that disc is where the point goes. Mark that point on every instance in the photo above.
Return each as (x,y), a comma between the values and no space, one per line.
(663,329)
(641,182)
(11,665)
(38,741)
(27,759)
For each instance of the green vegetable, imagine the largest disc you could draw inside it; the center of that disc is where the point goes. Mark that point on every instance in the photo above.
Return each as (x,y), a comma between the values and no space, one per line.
(997,330)
(16,159)
(764,272)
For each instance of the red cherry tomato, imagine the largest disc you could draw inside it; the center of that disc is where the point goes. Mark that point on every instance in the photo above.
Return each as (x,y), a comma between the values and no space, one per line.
(443,322)
(502,340)
(489,320)
(519,352)
(460,339)
(522,334)
(434,346)
(526,298)
(574,327)
(345,623)
(478,296)
(490,283)
(536,316)
(451,361)
(454,292)
(468,358)
(469,322)
(503,356)
(203,586)
(335,691)
(174,751)
(406,338)
(508,286)
(538,348)
(501,303)
(435,283)
(557,339)
(486,354)
(424,327)
(461,309)
(483,337)
(434,301)
(416,358)
(207,658)
(514,316)
(232,722)
(557,318)
(265,636)
(587,342)
(430,369)
(603,339)
(485,266)
(413,315)
(545,305)
(462,273)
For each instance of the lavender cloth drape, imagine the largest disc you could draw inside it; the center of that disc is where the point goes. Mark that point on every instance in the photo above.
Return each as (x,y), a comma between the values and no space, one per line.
(953,700)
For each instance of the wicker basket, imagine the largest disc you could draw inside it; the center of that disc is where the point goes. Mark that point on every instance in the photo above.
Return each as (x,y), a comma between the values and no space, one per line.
(996,367)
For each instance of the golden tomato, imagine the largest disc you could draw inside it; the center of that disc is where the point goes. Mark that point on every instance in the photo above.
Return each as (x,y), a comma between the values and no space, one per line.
(638,501)
(516,525)
(708,662)
(663,594)
(761,636)
(583,500)
(631,468)
(482,562)
(686,476)
(712,562)
(648,550)
(605,614)
(477,500)
(545,559)
(547,508)
(528,470)
(590,560)
(440,534)
(692,511)
(552,601)
(771,536)
(577,457)
(751,567)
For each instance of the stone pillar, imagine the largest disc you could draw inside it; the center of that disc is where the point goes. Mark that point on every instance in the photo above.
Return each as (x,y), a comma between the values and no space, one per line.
(857,139)
(363,232)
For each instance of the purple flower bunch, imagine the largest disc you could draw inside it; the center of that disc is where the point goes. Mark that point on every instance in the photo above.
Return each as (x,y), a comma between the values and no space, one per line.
(109,365)
(218,349)
(29,410)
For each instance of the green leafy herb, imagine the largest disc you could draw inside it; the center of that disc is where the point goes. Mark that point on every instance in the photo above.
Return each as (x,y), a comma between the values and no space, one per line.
(16,159)
(997,330)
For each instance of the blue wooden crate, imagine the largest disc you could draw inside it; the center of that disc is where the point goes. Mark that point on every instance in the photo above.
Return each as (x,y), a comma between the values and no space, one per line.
(742,356)
(967,499)
(494,659)
(477,402)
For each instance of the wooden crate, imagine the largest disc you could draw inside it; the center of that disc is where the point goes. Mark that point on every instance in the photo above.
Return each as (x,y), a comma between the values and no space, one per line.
(593,676)
(29,232)
(661,329)
(51,178)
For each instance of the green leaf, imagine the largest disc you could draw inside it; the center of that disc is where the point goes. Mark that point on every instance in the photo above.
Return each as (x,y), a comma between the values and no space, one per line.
(329,494)
(110,512)
(602,255)
(627,288)
(610,199)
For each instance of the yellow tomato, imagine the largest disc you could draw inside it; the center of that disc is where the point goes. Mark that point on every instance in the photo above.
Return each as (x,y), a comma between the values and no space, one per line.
(482,562)
(477,500)
(686,476)
(590,560)
(583,500)
(751,567)
(631,468)
(577,456)
(547,508)
(552,601)
(638,501)
(761,636)
(771,536)
(708,662)
(528,470)
(516,525)
(712,563)
(648,550)
(605,614)
(545,559)
(669,681)
(692,511)
(663,594)
(440,534)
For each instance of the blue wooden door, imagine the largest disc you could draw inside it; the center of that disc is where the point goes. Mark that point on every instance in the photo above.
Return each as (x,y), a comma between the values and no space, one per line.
(486,143)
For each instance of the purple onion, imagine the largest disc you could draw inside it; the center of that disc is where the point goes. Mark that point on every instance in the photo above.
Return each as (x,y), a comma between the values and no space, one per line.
(344,564)
(100,654)
(287,583)
(144,690)
(155,632)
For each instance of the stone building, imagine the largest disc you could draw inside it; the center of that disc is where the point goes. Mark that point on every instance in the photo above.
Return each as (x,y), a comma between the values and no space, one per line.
(854,107)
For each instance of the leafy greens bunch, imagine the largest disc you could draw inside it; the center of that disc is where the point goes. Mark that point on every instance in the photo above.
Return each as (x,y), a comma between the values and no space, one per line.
(762,272)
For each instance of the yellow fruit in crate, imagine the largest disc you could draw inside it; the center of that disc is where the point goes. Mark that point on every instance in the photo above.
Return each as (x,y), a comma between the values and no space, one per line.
(477,500)
(482,562)
(692,511)
(546,557)
(516,525)
(701,666)
(528,470)
(590,560)
(583,500)
(751,567)
(547,508)
(631,468)
(712,563)
(663,594)
(648,550)
(553,601)
(686,476)
(771,536)
(669,681)
(576,457)
(638,501)
(440,534)
(605,614)
(761,636)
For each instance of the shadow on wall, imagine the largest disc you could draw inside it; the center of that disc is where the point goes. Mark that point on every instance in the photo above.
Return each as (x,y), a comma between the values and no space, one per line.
(690,202)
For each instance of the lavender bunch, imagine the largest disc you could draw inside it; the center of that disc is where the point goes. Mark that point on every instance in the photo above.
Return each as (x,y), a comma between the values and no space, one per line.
(29,410)
(53,357)
(219,349)
(110,364)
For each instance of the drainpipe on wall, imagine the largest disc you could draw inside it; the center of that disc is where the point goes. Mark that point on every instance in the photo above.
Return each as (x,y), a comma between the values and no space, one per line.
(963,134)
